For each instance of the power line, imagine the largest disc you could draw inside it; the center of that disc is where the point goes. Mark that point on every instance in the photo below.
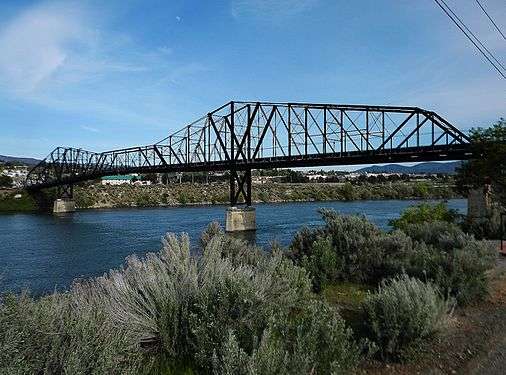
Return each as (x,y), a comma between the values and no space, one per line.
(491,20)
(469,37)
(474,36)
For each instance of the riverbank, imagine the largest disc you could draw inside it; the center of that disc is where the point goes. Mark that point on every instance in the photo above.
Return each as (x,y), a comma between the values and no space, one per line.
(100,196)
(17,201)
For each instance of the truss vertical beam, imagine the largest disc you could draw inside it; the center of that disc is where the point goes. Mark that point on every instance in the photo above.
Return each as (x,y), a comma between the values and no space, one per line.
(240,188)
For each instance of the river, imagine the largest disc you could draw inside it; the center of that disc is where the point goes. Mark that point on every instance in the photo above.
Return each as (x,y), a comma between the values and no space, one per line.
(43,252)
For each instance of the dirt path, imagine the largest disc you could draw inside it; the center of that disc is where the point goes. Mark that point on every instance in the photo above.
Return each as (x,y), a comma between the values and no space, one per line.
(494,362)
(474,344)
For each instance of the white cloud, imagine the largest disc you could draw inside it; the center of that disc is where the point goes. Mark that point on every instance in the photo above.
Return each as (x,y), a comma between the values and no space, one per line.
(269,8)
(62,56)
(37,43)
(56,43)
(90,129)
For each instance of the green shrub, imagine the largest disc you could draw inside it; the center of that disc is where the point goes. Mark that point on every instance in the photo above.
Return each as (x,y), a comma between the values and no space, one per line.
(263,196)
(403,314)
(348,191)
(205,297)
(422,189)
(349,248)
(84,200)
(352,249)
(26,203)
(442,235)
(234,249)
(315,341)
(62,333)
(322,263)
(488,227)
(171,311)
(425,212)
(183,197)
(145,199)
(453,260)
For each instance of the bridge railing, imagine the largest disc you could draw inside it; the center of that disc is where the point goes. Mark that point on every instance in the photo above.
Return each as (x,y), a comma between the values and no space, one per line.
(240,133)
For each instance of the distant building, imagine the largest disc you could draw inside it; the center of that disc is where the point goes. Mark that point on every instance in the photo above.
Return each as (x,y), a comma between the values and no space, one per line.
(266,179)
(118,180)
(142,183)
(316,177)
(18,174)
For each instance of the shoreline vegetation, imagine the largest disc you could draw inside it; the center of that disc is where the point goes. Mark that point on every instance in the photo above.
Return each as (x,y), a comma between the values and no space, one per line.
(344,297)
(93,196)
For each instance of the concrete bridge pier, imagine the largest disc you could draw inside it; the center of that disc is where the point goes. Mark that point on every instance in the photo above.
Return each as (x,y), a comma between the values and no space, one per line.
(243,217)
(64,202)
(240,219)
(479,202)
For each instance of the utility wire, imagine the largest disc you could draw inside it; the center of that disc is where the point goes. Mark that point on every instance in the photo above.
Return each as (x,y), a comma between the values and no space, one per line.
(469,37)
(474,36)
(491,20)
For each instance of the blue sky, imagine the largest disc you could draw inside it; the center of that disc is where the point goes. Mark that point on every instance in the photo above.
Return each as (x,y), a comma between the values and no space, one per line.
(108,74)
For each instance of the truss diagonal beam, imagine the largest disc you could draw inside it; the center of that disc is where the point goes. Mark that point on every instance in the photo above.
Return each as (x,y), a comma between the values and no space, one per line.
(239,136)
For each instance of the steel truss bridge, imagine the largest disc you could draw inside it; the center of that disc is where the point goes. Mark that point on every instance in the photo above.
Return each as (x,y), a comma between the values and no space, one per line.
(241,136)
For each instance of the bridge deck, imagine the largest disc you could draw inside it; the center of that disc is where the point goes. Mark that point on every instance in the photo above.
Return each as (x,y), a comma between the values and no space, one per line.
(240,136)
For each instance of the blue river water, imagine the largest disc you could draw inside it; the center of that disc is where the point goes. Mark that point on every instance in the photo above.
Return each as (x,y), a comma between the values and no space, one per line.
(43,252)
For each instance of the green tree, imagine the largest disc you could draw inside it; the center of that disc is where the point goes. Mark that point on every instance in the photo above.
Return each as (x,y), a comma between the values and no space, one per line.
(425,213)
(348,191)
(490,163)
(422,189)
(5,181)
(295,176)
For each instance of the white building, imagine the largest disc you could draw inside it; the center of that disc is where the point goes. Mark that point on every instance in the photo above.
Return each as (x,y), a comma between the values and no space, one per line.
(118,180)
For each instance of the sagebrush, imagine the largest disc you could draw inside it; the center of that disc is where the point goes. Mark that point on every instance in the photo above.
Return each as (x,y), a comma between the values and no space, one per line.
(403,314)
(352,249)
(171,311)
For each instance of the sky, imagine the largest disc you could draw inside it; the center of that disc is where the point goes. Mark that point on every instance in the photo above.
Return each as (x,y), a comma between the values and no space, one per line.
(110,74)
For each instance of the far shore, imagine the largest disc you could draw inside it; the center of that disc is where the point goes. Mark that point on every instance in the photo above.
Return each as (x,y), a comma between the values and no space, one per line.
(95,196)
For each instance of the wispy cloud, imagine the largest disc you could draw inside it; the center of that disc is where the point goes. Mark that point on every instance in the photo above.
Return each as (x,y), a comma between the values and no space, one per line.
(90,129)
(57,55)
(37,43)
(53,42)
(269,8)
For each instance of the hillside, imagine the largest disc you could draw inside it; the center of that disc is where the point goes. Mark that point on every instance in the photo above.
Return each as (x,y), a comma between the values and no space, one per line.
(18,160)
(431,167)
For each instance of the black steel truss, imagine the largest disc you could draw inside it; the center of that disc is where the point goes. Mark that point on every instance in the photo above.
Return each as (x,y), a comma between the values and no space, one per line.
(65,191)
(240,136)
(240,186)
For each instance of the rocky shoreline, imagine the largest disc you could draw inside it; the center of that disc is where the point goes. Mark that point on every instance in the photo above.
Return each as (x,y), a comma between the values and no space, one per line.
(96,196)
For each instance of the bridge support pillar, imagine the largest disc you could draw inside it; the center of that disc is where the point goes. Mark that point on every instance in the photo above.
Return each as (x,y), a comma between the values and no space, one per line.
(61,206)
(242,218)
(65,200)
(479,202)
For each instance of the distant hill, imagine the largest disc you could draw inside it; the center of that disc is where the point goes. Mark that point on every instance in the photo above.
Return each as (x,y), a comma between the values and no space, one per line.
(18,160)
(444,168)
